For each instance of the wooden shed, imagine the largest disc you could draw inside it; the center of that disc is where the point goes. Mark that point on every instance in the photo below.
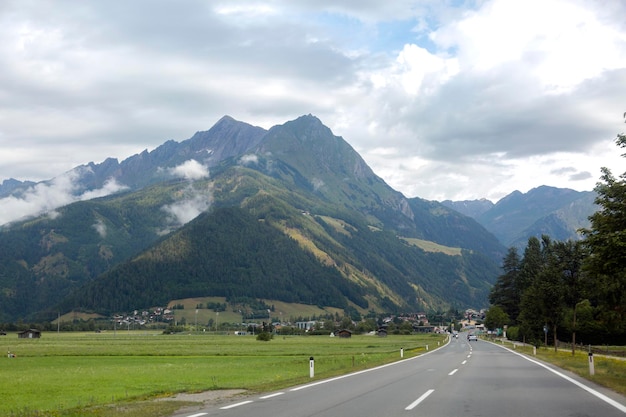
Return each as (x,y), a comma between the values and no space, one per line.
(343,333)
(29,334)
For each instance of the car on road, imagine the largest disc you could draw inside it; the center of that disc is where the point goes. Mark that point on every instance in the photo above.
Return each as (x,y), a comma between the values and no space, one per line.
(472,337)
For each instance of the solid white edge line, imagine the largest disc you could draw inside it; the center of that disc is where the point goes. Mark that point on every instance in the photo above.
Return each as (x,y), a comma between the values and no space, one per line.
(453,372)
(265,397)
(590,390)
(324,381)
(235,405)
(419,400)
(198,415)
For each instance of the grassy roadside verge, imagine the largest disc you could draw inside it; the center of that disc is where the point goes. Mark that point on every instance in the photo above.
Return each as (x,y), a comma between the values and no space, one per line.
(610,372)
(87,374)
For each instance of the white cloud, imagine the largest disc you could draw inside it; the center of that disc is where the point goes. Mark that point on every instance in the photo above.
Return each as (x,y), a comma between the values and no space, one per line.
(191,205)
(186,210)
(560,42)
(249,10)
(422,72)
(317,183)
(473,98)
(193,200)
(37,199)
(44,198)
(110,186)
(190,170)
(249,159)
(101,228)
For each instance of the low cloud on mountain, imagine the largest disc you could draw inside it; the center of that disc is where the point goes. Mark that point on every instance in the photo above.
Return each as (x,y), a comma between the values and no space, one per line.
(190,170)
(46,197)
(194,201)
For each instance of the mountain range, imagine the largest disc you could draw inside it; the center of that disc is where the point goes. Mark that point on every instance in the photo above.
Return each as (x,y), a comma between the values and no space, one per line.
(292,213)
(557,212)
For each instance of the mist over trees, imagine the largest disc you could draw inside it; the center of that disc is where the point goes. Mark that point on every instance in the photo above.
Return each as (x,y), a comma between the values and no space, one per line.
(573,291)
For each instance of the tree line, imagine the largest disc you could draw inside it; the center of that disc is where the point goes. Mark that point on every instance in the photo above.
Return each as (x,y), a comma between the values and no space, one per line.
(573,291)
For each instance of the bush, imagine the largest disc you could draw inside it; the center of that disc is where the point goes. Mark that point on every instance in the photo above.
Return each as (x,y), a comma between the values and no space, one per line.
(174,329)
(264,336)
(512,333)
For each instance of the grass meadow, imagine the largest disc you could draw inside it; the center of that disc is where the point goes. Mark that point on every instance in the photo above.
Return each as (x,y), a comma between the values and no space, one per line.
(106,374)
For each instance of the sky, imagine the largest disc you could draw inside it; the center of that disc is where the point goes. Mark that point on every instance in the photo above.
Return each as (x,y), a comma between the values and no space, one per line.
(443,99)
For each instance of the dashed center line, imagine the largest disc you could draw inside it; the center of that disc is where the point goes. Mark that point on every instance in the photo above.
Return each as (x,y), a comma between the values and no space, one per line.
(453,372)
(464,362)
(419,400)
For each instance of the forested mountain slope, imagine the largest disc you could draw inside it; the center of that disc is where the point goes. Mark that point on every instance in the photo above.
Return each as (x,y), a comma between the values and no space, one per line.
(297,179)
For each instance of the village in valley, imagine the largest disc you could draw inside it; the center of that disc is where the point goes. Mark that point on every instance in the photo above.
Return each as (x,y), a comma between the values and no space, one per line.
(172,320)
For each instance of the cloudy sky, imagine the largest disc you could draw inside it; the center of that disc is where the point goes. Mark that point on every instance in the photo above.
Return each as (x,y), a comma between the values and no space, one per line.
(443,99)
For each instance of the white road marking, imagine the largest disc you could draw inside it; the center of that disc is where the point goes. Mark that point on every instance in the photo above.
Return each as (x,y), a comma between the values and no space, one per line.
(464,362)
(420,399)
(265,397)
(325,381)
(235,405)
(453,372)
(410,407)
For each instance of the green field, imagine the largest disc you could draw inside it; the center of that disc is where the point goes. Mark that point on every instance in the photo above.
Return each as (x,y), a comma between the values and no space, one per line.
(105,374)
(429,246)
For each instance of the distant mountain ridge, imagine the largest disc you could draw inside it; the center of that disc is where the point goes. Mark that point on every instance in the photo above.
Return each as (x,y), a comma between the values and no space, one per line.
(145,168)
(471,208)
(557,212)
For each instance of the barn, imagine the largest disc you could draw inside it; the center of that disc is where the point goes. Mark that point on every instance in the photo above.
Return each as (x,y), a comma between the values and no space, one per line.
(29,334)
(343,333)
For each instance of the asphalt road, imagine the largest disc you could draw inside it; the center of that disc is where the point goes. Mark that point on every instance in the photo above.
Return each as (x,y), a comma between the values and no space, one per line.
(460,379)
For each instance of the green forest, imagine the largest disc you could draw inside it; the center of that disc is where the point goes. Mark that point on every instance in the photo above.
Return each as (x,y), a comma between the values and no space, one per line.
(228,253)
(573,291)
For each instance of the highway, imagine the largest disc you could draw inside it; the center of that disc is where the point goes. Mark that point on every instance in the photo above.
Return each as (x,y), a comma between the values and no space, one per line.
(462,378)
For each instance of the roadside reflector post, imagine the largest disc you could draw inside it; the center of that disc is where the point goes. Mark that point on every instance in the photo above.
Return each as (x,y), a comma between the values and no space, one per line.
(426,348)
(535,350)
(311,367)
(592,370)
(402,352)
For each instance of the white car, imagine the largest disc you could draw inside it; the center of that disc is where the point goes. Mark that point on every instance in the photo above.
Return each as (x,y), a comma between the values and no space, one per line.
(472,337)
